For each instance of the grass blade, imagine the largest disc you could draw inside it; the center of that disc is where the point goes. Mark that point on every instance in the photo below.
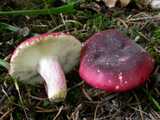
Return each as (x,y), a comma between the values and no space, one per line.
(12,28)
(4,64)
(8,27)
(69,8)
(152,99)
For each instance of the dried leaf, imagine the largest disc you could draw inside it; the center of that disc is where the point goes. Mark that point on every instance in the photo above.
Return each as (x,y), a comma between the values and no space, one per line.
(124,2)
(110,3)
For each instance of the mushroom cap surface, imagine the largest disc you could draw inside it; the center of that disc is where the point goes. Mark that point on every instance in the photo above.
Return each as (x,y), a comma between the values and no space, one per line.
(25,58)
(112,62)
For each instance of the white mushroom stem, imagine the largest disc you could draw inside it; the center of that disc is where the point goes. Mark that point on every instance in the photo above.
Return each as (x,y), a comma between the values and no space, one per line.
(53,75)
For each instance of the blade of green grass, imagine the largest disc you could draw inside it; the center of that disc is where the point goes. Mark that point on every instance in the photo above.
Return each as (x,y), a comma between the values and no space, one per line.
(4,64)
(152,99)
(8,27)
(69,8)
(4,26)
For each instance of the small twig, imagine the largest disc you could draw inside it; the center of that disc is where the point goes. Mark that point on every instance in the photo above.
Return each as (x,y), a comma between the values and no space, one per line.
(7,57)
(86,95)
(16,29)
(152,117)
(63,21)
(157,18)
(157,91)
(49,110)
(95,112)
(37,98)
(75,114)
(139,106)
(5,93)
(62,25)
(77,85)
(123,22)
(156,49)
(142,35)
(138,110)
(3,90)
(5,114)
(59,112)
(20,97)
(156,114)
(109,97)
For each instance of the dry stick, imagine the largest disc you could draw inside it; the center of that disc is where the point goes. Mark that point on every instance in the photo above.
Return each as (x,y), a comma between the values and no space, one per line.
(42,110)
(157,91)
(62,25)
(146,114)
(75,114)
(152,117)
(109,97)
(156,114)
(59,112)
(63,21)
(5,114)
(5,93)
(17,88)
(95,112)
(139,106)
(157,17)
(4,96)
(123,22)
(142,35)
(77,85)
(156,49)
(86,95)
(37,98)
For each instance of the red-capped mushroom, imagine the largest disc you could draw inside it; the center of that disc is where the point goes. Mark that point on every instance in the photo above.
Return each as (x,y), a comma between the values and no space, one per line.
(112,62)
(46,58)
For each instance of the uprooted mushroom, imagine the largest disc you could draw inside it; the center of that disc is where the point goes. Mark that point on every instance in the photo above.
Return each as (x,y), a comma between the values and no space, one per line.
(47,58)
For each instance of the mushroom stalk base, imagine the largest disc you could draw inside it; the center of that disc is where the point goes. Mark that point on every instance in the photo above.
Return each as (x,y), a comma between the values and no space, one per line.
(53,75)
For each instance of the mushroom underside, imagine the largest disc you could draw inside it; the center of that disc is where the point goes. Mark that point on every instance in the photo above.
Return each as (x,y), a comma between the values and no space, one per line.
(45,59)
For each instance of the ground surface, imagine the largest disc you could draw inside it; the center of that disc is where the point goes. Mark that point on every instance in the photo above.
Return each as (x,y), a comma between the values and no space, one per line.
(83,102)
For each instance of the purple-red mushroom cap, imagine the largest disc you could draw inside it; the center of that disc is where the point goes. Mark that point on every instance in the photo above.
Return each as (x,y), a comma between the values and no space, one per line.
(46,58)
(112,62)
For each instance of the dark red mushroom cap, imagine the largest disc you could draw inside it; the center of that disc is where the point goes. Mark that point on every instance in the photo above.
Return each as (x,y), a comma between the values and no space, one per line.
(112,62)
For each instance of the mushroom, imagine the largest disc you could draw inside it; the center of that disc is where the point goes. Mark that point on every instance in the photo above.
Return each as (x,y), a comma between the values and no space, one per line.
(46,58)
(155,4)
(112,62)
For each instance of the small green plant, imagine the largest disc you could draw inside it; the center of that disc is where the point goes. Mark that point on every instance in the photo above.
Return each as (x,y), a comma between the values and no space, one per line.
(157,34)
